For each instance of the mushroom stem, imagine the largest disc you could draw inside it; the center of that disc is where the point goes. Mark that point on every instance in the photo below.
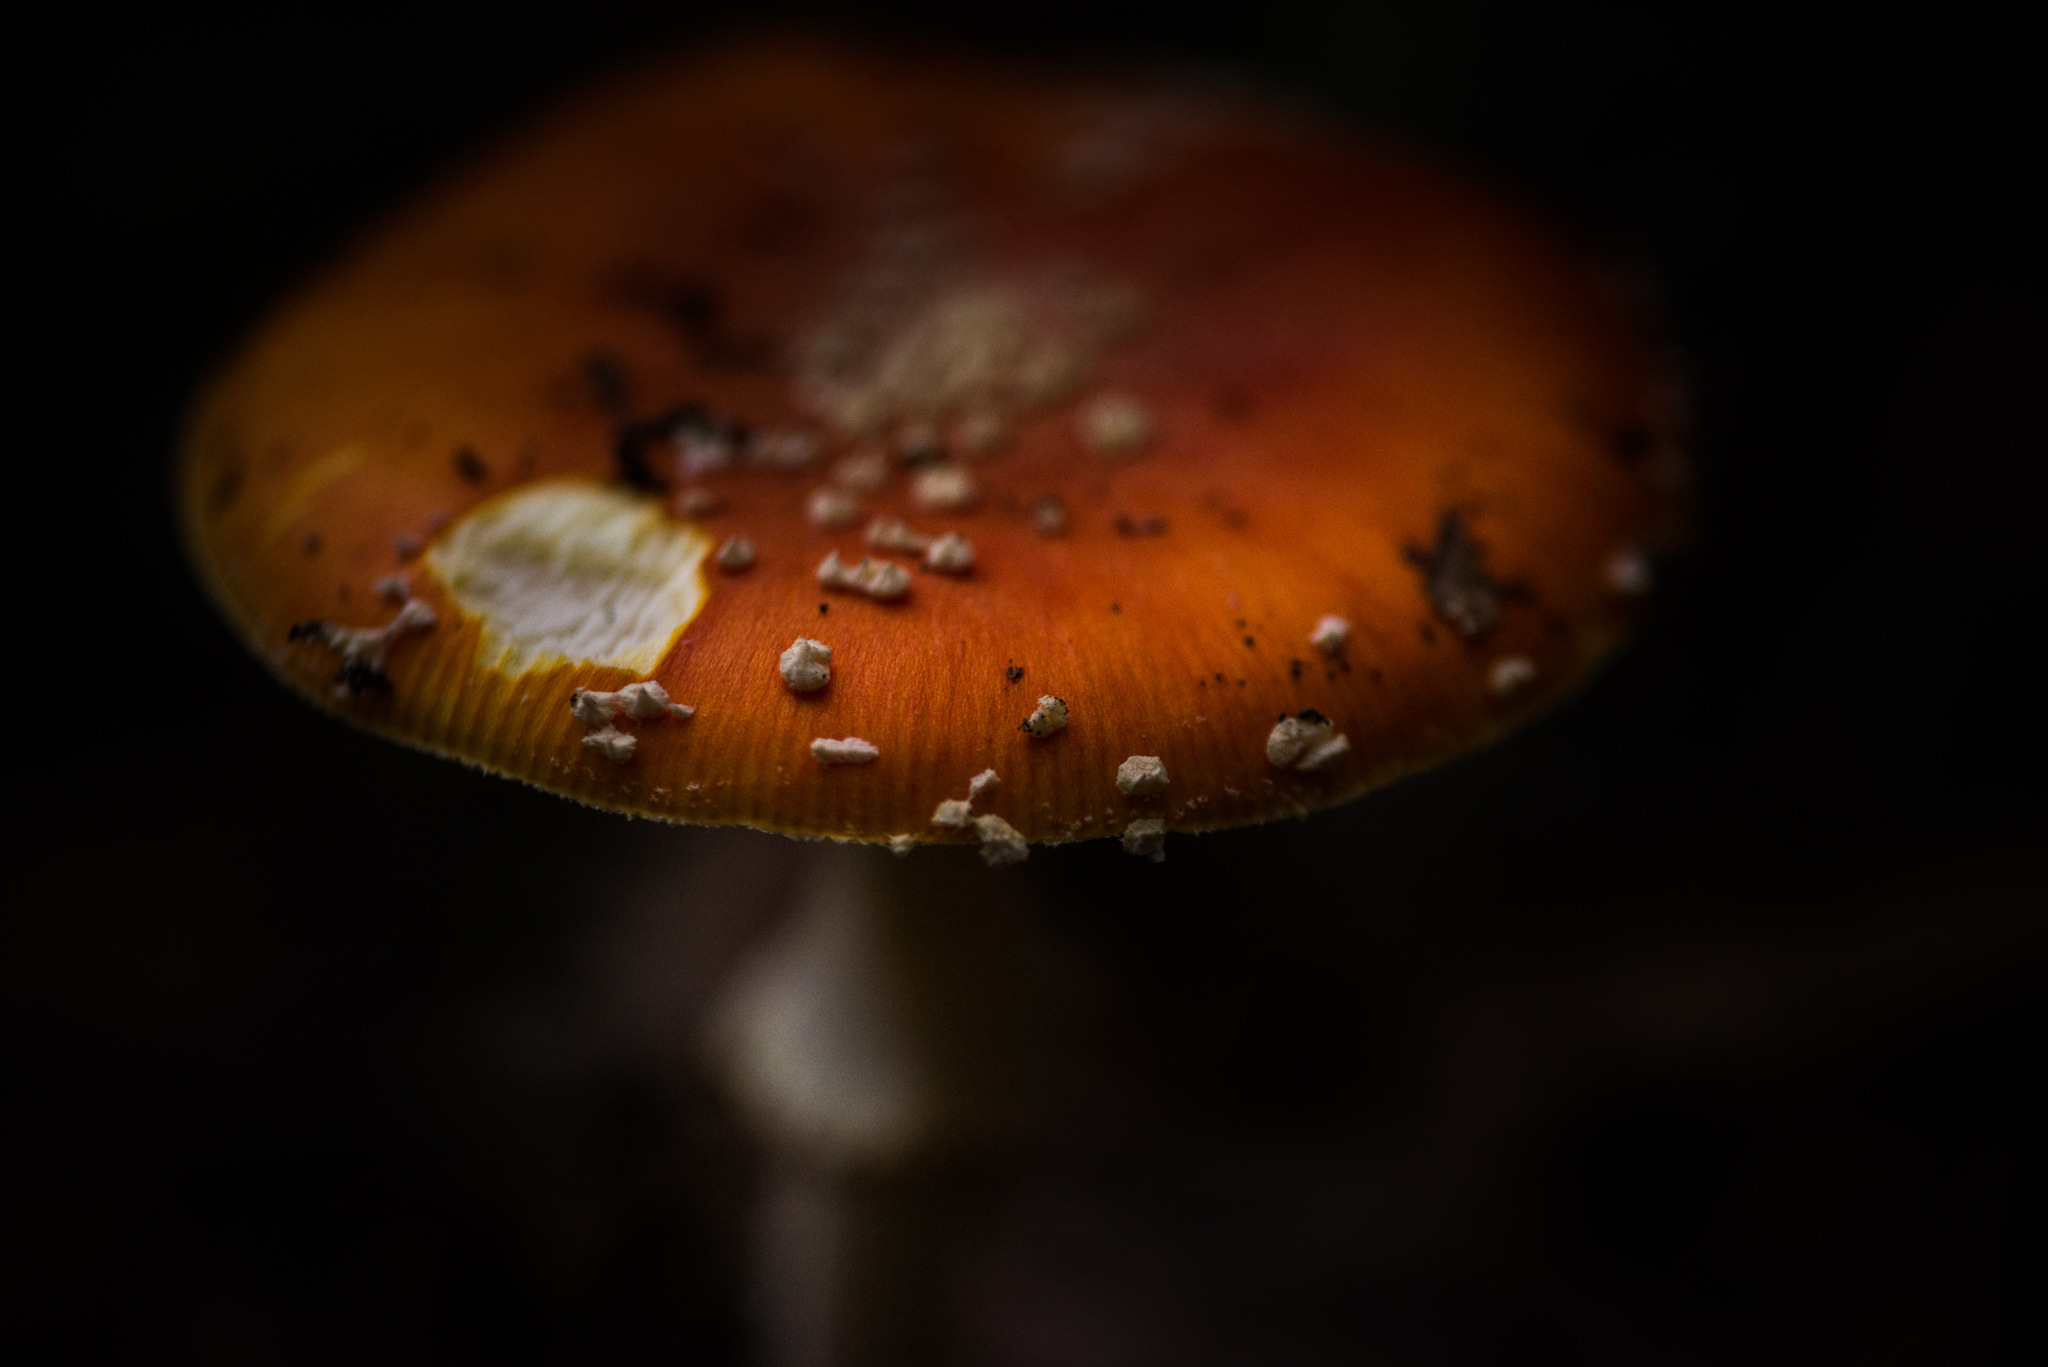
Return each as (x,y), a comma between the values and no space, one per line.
(906,1016)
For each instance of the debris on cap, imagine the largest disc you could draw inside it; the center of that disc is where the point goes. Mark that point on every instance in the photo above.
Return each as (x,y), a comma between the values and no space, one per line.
(614,744)
(1048,515)
(1628,572)
(950,554)
(1458,585)
(944,489)
(1001,843)
(1116,425)
(864,471)
(900,845)
(393,588)
(697,501)
(807,665)
(831,509)
(880,580)
(736,554)
(1141,776)
(1509,674)
(1050,716)
(981,783)
(1306,742)
(850,750)
(1330,634)
(954,811)
(364,650)
(1146,836)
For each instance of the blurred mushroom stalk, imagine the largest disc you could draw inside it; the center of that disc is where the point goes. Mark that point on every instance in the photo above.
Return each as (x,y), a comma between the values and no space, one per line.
(901,1023)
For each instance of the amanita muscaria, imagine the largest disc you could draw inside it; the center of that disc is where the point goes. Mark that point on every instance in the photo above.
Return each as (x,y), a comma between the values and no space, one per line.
(1196,416)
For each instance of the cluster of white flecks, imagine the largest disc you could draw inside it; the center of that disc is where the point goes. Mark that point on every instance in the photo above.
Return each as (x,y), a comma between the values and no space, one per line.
(807,665)
(1141,776)
(882,580)
(736,553)
(1001,843)
(846,750)
(1510,674)
(949,553)
(1306,742)
(368,647)
(642,701)
(1049,716)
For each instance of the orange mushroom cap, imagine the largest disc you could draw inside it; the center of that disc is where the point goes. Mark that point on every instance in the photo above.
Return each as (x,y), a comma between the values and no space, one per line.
(1286,463)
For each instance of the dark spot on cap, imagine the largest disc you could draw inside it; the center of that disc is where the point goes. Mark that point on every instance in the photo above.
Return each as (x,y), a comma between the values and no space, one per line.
(1116,607)
(606,380)
(1250,644)
(470,465)
(1455,580)
(1294,668)
(824,607)
(1311,716)
(311,544)
(1013,673)
(226,485)
(360,678)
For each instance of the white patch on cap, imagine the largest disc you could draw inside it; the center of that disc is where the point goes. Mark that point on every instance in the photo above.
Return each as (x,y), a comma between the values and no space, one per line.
(894,534)
(878,579)
(1001,843)
(735,555)
(954,812)
(950,554)
(863,472)
(1050,716)
(1509,674)
(393,588)
(1330,634)
(1629,572)
(851,750)
(899,350)
(832,509)
(807,665)
(981,783)
(1141,776)
(900,845)
(1116,425)
(944,488)
(1307,742)
(614,744)
(576,572)
(1147,837)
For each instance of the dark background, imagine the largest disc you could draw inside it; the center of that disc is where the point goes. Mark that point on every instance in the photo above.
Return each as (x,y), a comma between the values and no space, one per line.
(1702,1022)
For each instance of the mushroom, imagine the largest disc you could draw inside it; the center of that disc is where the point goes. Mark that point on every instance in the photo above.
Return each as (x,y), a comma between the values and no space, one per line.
(1369,408)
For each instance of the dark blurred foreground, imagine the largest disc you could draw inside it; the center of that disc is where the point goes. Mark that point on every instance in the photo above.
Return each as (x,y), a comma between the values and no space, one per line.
(1703,1022)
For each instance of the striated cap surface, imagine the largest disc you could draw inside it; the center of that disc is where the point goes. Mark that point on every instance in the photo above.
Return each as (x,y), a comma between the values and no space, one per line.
(1231,434)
